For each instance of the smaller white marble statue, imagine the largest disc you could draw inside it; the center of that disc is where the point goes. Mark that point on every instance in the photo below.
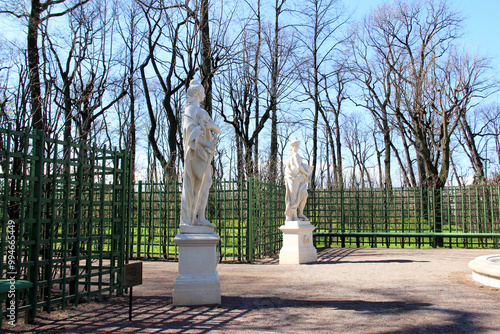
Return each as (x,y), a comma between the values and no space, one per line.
(198,131)
(297,177)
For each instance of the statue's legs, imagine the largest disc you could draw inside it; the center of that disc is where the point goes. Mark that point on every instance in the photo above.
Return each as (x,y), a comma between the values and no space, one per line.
(199,168)
(301,207)
(292,214)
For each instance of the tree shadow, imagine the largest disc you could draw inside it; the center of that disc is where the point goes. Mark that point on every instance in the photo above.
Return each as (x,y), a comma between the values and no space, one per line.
(353,255)
(157,315)
(250,303)
(340,255)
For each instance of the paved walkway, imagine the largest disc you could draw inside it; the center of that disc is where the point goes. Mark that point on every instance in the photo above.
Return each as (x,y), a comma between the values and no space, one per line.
(347,291)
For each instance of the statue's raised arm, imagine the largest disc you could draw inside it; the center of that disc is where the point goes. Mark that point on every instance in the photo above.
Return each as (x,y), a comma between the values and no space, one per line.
(198,131)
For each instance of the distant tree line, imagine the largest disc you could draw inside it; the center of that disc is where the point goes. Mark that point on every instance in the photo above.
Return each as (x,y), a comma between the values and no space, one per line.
(394,97)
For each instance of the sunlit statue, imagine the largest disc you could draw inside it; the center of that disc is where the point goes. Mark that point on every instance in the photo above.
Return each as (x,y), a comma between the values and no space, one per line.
(297,177)
(198,131)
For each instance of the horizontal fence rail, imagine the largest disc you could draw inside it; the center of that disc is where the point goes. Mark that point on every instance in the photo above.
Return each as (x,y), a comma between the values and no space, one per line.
(64,212)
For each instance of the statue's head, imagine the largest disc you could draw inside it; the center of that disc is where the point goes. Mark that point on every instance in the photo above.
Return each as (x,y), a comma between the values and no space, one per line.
(195,90)
(295,142)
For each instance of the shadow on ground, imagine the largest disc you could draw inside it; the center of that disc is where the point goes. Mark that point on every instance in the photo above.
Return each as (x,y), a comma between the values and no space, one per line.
(342,255)
(375,306)
(155,315)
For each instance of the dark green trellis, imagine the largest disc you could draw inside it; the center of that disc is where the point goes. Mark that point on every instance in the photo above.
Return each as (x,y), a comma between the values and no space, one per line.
(455,217)
(70,205)
(247,214)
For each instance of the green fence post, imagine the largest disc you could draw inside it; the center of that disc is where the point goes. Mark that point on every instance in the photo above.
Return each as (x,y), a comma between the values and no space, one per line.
(243,223)
(103,226)
(90,218)
(76,252)
(25,222)
(167,221)
(38,146)
(122,214)
(128,202)
(139,219)
(251,204)
(342,217)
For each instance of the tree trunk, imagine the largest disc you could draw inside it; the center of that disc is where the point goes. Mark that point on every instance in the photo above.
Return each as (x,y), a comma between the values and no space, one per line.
(173,126)
(256,89)
(274,99)
(387,152)
(239,158)
(474,157)
(339,171)
(33,65)
(206,56)
(131,93)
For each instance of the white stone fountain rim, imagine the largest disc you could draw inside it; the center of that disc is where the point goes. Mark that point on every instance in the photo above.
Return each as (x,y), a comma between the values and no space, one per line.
(486,270)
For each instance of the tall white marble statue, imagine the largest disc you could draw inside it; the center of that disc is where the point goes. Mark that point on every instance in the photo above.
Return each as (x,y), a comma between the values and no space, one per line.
(297,178)
(298,246)
(197,282)
(198,131)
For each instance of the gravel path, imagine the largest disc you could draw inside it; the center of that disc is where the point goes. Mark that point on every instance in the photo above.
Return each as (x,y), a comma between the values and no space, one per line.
(346,291)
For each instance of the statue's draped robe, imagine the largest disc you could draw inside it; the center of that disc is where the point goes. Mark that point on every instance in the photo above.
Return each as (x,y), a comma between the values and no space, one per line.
(297,175)
(194,128)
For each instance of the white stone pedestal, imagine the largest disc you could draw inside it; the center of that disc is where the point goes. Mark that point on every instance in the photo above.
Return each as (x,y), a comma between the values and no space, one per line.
(298,245)
(198,282)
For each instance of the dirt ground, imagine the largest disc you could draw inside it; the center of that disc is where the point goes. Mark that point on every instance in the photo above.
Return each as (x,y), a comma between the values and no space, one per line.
(346,291)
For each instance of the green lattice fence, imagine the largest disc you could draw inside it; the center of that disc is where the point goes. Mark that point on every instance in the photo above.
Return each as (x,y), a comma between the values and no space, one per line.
(69,205)
(247,214)
(451,217)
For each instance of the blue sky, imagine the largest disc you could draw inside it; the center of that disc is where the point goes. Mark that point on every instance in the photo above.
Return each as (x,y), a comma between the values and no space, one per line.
(482,25)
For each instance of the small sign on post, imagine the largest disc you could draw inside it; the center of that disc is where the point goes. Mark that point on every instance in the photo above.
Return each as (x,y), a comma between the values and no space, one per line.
(132,276)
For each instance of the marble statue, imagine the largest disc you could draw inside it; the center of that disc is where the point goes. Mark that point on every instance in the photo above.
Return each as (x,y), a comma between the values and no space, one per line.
(297,177)
(198,131)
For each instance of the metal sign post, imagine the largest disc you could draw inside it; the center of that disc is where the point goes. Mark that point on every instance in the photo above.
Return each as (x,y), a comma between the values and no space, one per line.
(132,276)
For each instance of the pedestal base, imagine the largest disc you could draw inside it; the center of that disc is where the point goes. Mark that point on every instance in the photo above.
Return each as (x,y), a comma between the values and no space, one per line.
(198,282)
(298,245)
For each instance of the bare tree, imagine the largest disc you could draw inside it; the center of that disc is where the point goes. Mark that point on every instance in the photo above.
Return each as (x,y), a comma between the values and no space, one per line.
(170,34)
(241,81)
(130,32)
(321,37)
(85,64)
(40,12)
(359,144)
(493,120)
(280,46)
(437,84)
(335,88)
(374,67)
(14,88)
(427,84)
(206,55)
(467,140)
(484,127)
